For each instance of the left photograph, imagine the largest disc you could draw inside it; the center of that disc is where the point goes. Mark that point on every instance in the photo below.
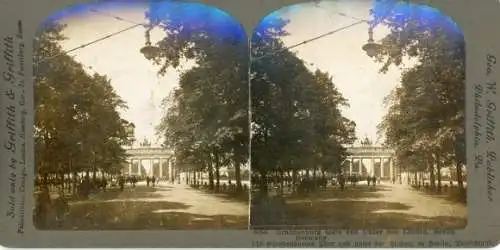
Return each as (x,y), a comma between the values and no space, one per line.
(141,118)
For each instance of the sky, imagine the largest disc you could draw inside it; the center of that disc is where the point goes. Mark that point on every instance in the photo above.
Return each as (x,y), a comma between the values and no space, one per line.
(136,81)
(355,74)
(134,78)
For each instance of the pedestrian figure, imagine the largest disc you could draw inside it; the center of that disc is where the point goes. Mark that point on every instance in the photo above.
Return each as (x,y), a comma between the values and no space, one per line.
(43,203)
(153,181)
(85,187)
(104,183)
(121,182)
(133,180)
(342,182)
(368,179)
(147,181)
(61,208)
(374,180)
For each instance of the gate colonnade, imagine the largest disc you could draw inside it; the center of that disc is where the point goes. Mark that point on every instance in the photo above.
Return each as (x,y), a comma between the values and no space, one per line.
(375,154)
(162,162)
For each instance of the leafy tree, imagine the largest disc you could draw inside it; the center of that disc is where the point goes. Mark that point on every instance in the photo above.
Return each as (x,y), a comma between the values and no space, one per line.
(426,114)
(77,124)
(296,119)
(207,119)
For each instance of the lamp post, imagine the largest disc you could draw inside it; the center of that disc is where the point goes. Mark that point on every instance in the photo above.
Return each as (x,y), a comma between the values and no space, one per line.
(148,50)
(129,129)
(371,48)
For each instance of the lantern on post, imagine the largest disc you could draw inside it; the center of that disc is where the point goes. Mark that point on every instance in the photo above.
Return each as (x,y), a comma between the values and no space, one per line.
(148,50)
(371,48)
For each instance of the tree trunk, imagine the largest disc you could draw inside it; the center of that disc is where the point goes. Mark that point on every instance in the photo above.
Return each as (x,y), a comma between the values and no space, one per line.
(459,176)
(237,176)
(194,178)
(282,179)
(263,183)
(211,177)
(74,181)
(294,180)
(57,180)
(217,178)
(438,172)
(432,175)
(63,181)
(461,189)
(45,179)
(419,179)
(94,172)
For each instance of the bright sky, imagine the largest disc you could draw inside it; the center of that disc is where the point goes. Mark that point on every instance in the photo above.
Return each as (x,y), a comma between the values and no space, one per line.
(340,54)
(133,77)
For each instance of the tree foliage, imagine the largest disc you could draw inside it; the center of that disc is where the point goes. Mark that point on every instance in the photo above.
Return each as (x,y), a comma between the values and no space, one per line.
(296,119)
(206,118)
(77,122)
(426,117)
(296,112)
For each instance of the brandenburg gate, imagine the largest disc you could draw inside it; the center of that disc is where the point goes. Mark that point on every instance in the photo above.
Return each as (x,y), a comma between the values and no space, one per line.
(374,154)
(162,162)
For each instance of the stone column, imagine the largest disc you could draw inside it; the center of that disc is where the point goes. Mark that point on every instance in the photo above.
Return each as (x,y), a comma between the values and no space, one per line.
(139,165)
(372,167)
(160,165)
(152,168)
(360,165)
(382,168)
(130,166)
(391,168)
(170,170)
(350,166)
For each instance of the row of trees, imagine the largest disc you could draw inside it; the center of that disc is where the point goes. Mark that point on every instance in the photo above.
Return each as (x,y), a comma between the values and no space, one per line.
(425,123)
(296,119)
(206,118)
(77,124)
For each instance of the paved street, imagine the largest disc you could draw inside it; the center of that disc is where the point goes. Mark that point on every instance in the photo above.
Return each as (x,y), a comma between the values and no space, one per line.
(384,206)
(166,206)
(177,206)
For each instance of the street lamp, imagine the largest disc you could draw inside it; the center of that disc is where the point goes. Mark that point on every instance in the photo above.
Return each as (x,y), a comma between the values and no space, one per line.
(129,130)
(371,48)
(148,50)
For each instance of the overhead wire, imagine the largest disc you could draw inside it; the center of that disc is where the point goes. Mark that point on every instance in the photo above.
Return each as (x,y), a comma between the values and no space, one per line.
(137,24)
(311,39)
(91,42)
(358,19)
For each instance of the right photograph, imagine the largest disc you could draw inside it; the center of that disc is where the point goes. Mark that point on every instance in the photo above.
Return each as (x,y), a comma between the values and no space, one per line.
(358,117)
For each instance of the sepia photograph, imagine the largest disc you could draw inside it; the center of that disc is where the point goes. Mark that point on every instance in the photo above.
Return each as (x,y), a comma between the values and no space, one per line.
(141,118)
(358,117)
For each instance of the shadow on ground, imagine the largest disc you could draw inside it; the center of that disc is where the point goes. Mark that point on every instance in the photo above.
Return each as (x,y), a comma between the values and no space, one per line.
(139,192)
(350,192)
(243,197)
(451,195)
(139,215)
(341,209)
